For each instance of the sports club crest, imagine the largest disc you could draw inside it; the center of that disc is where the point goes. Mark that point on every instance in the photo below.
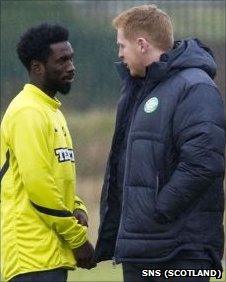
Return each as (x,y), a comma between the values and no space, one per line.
(151,105)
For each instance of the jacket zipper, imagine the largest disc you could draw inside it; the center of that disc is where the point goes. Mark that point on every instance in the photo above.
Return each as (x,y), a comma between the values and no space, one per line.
(157,186)
(136,104)
(139,99)
(113,263)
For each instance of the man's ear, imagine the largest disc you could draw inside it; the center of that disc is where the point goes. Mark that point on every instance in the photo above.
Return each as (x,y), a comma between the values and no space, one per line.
(142,44)
(37,67)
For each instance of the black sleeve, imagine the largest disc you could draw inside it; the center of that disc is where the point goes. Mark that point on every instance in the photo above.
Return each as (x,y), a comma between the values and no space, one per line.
(199,134)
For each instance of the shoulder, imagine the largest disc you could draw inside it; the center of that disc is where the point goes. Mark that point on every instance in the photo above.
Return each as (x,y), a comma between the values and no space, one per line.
(24,105)
(194,76)
(196,85)
(24,116)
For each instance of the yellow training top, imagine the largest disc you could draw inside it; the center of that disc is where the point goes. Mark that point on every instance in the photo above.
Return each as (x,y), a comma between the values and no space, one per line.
(38,229)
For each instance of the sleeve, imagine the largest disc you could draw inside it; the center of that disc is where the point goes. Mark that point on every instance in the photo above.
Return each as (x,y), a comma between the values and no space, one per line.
(200,140)
(4,155)
(79,204)
(30,143)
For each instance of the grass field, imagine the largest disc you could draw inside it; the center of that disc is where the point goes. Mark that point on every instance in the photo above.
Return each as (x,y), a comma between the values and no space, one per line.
(104,272)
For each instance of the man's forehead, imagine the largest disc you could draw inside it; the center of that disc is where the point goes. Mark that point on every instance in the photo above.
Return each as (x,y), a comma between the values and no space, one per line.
(120,37)
(119,33)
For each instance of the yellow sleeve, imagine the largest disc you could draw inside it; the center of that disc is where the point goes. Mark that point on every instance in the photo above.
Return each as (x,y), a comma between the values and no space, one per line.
(79,204)
(29,139)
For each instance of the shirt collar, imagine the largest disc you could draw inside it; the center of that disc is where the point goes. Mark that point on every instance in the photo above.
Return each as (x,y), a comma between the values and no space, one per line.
(37,92)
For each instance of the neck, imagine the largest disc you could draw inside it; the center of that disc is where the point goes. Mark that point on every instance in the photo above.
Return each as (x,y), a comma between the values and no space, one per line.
(153,56)
(50,92)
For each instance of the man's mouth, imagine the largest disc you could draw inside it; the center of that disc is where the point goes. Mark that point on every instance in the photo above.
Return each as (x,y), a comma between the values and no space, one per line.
(126,65)
(69,78)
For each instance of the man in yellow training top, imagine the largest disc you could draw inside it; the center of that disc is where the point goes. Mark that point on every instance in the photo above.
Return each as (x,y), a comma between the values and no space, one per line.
(43,222)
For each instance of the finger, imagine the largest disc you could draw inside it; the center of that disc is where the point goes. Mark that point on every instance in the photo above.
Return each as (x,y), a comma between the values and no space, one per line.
(93,264)
(78,217)
(81,265)
(84,222)
(90,265)
(81,220)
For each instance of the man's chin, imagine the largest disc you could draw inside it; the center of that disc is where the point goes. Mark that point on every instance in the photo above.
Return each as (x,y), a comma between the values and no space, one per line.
(65,89)
(136,74)
(133,73)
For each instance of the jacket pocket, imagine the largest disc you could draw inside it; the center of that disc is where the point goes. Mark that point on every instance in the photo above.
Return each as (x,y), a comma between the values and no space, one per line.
(138,214)
(141,164)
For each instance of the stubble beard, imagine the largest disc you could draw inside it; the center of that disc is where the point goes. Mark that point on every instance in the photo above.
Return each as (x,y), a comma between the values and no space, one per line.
(64,89)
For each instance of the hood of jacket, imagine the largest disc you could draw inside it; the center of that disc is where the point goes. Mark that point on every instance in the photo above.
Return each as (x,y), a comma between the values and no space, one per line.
(188,53)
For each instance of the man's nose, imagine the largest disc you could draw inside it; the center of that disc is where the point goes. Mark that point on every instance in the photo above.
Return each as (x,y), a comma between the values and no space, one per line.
(70,67)
(120,55)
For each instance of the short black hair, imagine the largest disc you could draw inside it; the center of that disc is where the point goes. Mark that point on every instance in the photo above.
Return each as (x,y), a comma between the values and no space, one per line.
(35,43)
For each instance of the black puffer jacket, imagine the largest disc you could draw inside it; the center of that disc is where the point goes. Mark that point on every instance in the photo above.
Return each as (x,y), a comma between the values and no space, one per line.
(173,185)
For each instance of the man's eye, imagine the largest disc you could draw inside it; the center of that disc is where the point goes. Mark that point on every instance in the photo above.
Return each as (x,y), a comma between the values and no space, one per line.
(63,60)
(66,59)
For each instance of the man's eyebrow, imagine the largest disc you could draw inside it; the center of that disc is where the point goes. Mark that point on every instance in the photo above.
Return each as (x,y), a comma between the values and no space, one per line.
(71,55)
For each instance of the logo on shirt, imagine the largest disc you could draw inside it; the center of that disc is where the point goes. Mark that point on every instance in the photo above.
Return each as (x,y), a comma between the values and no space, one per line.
(65,155)
(151,105)
(63,130)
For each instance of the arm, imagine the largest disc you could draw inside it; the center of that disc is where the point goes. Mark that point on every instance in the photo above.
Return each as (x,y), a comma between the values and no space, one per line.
(200,139)
(29,139)
(80,212)
(79,204)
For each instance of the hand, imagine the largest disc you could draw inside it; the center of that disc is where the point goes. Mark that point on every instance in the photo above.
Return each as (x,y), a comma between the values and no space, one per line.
(161,218)
(81,216)
(84,256)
